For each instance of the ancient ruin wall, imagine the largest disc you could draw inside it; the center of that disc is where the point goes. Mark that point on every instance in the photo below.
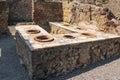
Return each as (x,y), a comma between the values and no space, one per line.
(79,10)
(46,11)
(3,16)
(20,10)
(114,5)
(45,60)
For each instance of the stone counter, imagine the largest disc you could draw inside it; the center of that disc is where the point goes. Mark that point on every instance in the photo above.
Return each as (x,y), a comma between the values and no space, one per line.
(3,16)
(45,60)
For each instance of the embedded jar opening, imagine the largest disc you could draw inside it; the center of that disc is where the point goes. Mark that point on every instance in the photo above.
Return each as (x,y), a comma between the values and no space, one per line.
(33,31)
(69,36)
(44,38)
(88,35)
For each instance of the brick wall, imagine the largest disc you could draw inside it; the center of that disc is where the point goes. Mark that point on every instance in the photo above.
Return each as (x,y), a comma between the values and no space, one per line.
(3,16)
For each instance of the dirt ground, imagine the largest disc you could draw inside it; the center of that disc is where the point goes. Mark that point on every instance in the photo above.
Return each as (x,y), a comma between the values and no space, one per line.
(10,69)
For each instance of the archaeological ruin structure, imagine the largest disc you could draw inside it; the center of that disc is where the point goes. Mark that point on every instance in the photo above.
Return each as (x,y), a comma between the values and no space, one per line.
(65,35)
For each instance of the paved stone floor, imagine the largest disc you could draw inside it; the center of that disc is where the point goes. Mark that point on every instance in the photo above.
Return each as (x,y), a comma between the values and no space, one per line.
(10,69)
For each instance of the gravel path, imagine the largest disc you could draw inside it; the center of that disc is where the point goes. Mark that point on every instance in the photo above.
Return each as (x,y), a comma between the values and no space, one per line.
(10,69)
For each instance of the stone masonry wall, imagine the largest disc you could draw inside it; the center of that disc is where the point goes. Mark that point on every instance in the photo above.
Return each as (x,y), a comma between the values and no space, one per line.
(20,10)
(104,13)
(46,11)
(86,10)
(51,62)
(114,5)
(47,63)
(45,60)
(77,10)
(3,16)
(25,57)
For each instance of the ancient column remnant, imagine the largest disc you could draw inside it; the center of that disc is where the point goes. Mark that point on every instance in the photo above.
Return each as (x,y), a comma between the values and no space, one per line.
(3,16)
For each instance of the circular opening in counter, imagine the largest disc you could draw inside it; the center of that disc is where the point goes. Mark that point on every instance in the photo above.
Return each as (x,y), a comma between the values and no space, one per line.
(88,35)
(69,36)
(33,31)
(44,38)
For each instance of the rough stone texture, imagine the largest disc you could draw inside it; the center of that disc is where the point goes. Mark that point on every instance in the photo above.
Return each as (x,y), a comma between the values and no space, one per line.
(26,56)
(99,12)
(46,11)
(3,16)
(61,56)
(56,61)
(20,10)
(113,5)
(76,11)
(10,69)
